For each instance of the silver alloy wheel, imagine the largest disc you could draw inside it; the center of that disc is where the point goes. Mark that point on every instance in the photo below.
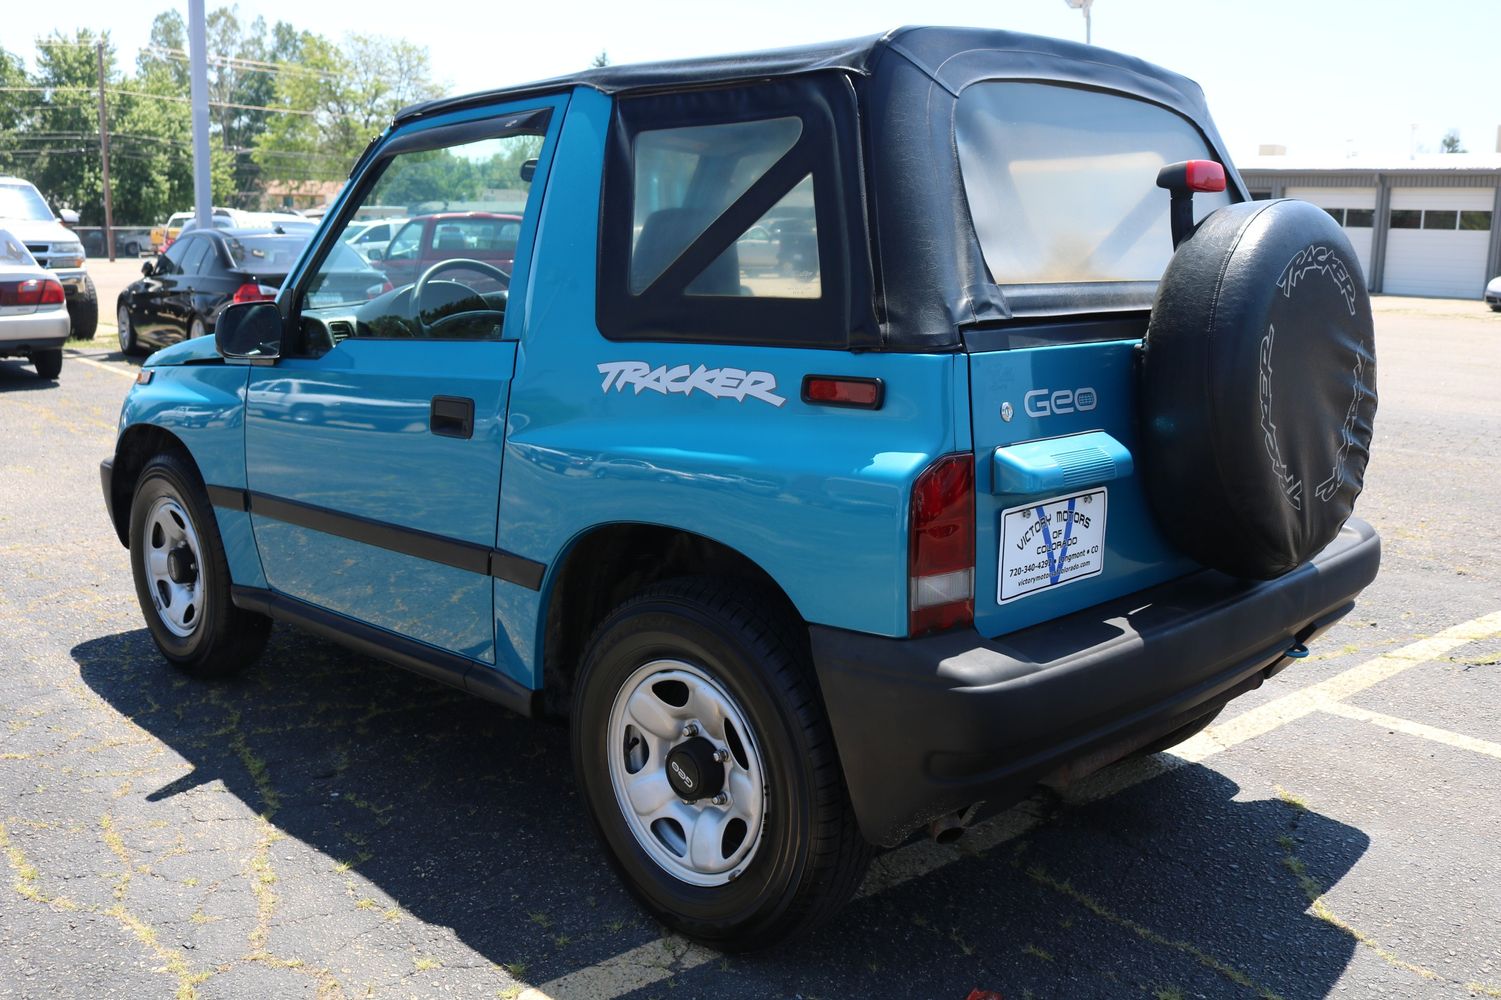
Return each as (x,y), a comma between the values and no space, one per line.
(122,327)
(173,563)
(195,329)
(707,842)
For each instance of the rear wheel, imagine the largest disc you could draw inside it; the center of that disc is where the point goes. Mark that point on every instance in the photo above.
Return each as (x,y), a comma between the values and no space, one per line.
(48,364)
(83,311)
(196,328)
(182,577)
(709,769)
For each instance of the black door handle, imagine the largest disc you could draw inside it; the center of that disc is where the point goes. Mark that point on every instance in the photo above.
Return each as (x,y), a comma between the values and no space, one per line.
(452,416)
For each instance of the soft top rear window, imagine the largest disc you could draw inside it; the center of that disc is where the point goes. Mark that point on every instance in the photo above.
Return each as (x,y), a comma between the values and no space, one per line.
(1061,181)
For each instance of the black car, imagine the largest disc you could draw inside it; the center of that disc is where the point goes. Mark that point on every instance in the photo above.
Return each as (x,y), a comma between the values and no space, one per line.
(184,289)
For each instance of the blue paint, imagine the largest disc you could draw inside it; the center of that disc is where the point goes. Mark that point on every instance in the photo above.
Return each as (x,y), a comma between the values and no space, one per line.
(1136,554)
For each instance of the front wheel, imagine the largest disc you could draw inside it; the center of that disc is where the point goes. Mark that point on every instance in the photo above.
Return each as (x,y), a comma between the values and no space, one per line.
(182,576)
(709,769)
(126,331)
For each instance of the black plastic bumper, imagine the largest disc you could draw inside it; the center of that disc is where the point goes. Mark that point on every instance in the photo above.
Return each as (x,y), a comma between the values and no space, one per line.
(927,727)
(107,480)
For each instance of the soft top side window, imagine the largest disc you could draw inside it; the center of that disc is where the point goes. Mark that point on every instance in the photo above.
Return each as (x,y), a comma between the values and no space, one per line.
(734,216)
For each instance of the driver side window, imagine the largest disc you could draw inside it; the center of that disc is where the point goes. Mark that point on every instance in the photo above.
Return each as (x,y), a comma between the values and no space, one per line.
(457,212)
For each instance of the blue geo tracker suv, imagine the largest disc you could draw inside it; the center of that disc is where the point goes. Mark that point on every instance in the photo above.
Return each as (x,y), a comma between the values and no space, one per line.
(844,439)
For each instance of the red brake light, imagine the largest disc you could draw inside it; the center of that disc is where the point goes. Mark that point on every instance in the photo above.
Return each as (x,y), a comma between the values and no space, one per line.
(846,390)
(1204,175)
(31,292)
(941,547)
(252,292)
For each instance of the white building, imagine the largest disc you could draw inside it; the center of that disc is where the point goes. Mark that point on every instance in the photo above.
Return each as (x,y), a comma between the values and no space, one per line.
(1430,225)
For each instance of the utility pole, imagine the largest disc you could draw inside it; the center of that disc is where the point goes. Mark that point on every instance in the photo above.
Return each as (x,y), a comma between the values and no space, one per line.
(109,208)
(198,77)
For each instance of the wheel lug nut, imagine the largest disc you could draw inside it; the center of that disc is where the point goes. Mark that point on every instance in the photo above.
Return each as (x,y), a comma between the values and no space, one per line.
(720,799)
(691,729)
(720,756)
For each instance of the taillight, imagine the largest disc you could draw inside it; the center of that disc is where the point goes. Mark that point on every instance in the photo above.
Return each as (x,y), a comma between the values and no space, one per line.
(941,546)
(31,292)
(253,292)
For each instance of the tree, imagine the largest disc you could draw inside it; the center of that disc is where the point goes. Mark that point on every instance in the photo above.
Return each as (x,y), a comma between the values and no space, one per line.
(15,110)
(1450,143)
(335,99)
(600,61)
(63,142)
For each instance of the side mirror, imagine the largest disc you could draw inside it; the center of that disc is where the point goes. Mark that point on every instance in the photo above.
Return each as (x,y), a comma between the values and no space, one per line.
(375,253)
(529,169)
(148,266)
(249,331)
(68,217)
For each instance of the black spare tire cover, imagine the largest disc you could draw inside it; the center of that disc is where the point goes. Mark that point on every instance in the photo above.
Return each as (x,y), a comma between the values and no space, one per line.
(1258,388)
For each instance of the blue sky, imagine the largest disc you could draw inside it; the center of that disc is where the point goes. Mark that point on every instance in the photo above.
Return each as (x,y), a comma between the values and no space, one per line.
(1323,77)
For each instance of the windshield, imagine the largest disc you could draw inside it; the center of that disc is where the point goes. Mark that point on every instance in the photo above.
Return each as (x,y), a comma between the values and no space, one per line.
(21,201)
(1062,181)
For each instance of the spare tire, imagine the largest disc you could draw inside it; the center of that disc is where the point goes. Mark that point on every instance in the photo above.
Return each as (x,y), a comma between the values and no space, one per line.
(1258,388)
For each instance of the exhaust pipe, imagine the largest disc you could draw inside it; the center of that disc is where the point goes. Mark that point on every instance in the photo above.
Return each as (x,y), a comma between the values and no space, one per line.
(949,828)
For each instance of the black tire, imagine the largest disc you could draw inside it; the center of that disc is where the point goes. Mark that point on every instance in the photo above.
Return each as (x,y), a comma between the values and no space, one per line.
(1258,388)
(1178,735)
(811,857)
(224,638)
(83,310)
(126,330)
(48,364)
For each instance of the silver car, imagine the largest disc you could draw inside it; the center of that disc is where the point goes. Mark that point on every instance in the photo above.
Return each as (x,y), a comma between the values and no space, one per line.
(33,309)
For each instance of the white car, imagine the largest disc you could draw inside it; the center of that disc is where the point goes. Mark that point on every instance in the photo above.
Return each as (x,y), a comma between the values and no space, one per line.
(1493,294)
(371,238)
(33,309)
(25,215)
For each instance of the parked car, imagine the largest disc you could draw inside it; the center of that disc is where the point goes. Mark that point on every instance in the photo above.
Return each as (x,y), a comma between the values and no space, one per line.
(33,311)
(373,237)
(813,562)
(224,218)
(182,291)
(1493,294)
(24,214)
(488,237)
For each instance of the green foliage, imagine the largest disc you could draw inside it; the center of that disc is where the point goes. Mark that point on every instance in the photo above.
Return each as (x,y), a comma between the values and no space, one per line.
(286,105)
(1451,142)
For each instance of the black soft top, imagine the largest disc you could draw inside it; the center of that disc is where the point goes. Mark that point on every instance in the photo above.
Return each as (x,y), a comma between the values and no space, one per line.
(907,82)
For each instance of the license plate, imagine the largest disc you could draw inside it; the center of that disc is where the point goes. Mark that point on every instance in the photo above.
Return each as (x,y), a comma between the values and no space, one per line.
(1051,543)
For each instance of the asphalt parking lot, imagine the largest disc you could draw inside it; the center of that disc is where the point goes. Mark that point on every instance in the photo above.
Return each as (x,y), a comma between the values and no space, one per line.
(328,827)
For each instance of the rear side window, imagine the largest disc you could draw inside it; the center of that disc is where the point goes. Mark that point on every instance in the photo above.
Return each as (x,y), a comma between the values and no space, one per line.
(734,216)
(1062,181)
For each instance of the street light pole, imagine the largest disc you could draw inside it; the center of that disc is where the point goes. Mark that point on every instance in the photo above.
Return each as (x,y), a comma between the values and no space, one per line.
(109,208)
(1084,5)
(198,78)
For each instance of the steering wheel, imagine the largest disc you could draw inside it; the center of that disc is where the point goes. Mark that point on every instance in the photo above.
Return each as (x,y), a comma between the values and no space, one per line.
(503,277)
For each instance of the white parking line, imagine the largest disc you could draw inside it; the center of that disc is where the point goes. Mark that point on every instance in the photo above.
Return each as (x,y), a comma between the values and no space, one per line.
(1289,708)
(75,358)
(668,956)
(1446,736)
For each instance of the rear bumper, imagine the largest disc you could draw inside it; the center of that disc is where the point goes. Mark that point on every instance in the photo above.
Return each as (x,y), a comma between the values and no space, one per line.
(27,333)
(927,727)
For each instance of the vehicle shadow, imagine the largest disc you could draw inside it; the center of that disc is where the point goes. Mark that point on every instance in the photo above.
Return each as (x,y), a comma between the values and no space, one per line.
(467,818)
(17,375)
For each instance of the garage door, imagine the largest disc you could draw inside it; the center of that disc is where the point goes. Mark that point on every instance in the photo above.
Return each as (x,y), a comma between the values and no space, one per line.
(1438,241)
(1352,207)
